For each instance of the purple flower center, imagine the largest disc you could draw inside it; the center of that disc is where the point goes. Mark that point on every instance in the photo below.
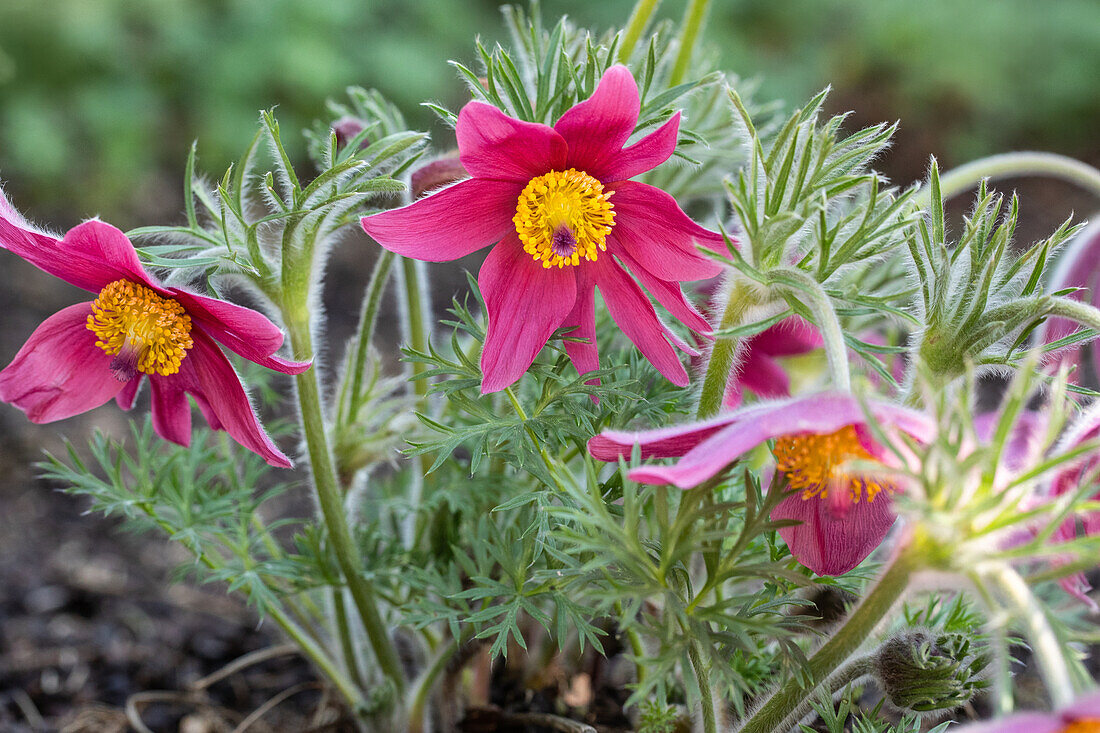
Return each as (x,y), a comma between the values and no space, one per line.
(563,243)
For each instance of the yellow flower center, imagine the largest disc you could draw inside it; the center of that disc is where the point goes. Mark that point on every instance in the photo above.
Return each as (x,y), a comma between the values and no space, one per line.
(563,216)
(143,330)
(812,464)
(1084,725)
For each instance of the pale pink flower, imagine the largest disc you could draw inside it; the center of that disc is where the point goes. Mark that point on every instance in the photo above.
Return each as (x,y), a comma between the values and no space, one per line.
(1083,716)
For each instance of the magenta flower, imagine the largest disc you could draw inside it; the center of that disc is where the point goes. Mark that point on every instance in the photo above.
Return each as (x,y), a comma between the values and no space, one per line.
(843,516)
(86,354)
(1078,267)
(566,220)
(1083,716)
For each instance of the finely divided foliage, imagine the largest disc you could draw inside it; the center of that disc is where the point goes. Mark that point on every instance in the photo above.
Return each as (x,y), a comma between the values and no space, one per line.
(841,542)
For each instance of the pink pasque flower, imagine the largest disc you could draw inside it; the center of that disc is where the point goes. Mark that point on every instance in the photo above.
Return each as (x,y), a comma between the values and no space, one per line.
(86,354)
(1078,267)
(1083,716)
(843,516)
(566,219)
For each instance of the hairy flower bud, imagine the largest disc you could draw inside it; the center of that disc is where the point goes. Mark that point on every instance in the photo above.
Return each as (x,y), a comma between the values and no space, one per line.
(921,672)
(431,176)
(346,129)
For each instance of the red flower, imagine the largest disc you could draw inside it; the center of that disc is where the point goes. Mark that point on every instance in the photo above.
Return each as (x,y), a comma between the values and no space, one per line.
(86,354)
(566,220)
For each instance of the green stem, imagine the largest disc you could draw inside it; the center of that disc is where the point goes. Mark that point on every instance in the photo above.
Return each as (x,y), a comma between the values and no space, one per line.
(1074,310)
(547,461)
(849,673)
(332,505)
(427,680)
(418,333)
(810,291)
(741,299)
(706,694)
(639,19)
(693,21)
(343,630)
(844,642)
(368,317)
(1013,165)
(1044,643)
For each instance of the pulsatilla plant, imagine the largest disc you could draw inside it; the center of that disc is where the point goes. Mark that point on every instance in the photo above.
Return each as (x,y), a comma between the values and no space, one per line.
(539,482)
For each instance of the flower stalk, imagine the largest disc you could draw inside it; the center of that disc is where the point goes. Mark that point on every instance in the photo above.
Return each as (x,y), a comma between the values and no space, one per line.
(741,299)
(1012,165)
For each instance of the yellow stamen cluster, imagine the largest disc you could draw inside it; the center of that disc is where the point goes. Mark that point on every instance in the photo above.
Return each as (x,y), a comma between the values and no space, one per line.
(1084,725)
(563,216)
(812,464)
(145,331)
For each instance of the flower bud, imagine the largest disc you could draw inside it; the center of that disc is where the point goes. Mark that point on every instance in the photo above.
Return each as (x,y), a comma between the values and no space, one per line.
(431,176)
(346,128)
(921,672)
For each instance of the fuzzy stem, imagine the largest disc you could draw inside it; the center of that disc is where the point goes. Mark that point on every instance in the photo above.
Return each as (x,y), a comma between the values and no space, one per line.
(1012,165)
(1082,313)
(639,19)
(741,299)
(693,21)
(841,645)
(849,673)
(332,505)
(547,461)
(427,679)
(417,336)
(1044,643)
(706,694)
(343,630)
(368,317)
(832,335)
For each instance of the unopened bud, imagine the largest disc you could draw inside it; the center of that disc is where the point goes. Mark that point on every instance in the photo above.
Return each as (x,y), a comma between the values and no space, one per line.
(921,671)
(427,178)
(346,129)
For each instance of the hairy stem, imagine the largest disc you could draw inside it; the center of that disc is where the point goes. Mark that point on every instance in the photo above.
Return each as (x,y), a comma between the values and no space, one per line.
(332,506)
(343,631)
(706,694)
(1044,643)
(639,19)
(832,335)
(693,22)
(741,299)
(849,673)
(844,642)
(352,391)
(1011,165)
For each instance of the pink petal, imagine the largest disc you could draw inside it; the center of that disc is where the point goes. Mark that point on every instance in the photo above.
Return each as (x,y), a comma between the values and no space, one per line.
(59,372)
(830,543)
(611,445)
(1021,723)
(170,408)
(493,145)
(104,243)
(449,224)
(760,373)
(668,294)
(634,314)
(749,427)
(597,128)
(525,303)
(646,154)
(1085,707)
(584,355)
(207,374)
(789,337)
(651,228)
(249,333)
(125,399)
(67,258)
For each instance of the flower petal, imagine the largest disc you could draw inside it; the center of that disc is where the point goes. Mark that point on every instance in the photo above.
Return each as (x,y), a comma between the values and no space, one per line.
(597,128)
(59,372)
(611,445)
(449,224)
(829,543)
(749,427)
(493,145)
(584,354)
(789,337)
(125,399)
(526,303)
(69,259)
(249,333)
(646,154)
(651,228)
(760,373)
(668,294)
(634,314)
(207,374)
(1022,723)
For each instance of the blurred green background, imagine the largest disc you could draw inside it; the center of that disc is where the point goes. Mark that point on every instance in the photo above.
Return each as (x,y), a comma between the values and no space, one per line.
(100,99)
